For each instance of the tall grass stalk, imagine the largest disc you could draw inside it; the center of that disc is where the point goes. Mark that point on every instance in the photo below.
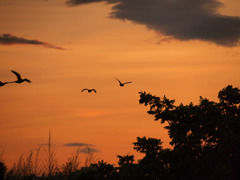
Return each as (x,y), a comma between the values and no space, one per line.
(36,163)
(72,164)
(50,164)
(90,157)
(19,167)
(1,155)
(28,165)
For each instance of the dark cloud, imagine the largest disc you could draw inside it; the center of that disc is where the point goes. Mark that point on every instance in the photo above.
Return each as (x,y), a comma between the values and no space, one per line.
(89,150)
(85,148)
(165,39)
(181,19)
(8,39)
(78,2)
(43,144)
(76,144)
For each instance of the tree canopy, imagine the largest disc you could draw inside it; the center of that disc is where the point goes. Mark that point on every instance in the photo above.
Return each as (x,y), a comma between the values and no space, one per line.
(205,137)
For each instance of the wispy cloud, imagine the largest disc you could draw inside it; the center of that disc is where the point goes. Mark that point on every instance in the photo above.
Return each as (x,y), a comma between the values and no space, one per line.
(80,2)
(181,19)
(43,144)
(76,144)
(85,148)
(8,39)
(89,150)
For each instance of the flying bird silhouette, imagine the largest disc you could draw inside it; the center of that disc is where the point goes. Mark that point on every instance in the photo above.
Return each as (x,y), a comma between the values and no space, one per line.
(19,79)
(89,90)
(122,84)
(2,83)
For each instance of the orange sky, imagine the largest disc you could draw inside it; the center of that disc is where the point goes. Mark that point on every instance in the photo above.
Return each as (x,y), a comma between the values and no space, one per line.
(96,50)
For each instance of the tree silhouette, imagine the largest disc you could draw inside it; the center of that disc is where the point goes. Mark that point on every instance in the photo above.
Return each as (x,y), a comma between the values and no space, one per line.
(3,169)
(125,160)
(205,137)
(98,171)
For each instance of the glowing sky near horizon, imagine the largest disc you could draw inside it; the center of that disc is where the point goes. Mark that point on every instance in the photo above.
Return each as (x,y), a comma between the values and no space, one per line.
(63,49)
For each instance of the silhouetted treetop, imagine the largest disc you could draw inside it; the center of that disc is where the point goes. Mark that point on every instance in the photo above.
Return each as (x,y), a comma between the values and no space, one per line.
(158,107)
(148,146)
(3,169)
(207,134)
(229,95)
(128,159)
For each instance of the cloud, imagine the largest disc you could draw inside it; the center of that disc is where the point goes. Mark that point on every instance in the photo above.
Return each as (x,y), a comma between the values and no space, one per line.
(89,150)
(79,2)
(8,39)
(181,19)
(76,144)
(86,148)
(165,39)
(43,144)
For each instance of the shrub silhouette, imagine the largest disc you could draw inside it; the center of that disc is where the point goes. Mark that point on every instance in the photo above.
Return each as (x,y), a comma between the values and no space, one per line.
(72,164)
(123,160)
(3,170)
(98,171)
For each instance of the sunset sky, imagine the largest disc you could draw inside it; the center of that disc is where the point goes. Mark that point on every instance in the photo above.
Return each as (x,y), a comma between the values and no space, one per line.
(179,48)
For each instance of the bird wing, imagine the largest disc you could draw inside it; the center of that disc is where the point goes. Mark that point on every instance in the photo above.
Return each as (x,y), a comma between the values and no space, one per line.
(27,80)
(94,90)
(118,80)
(84,90)
(17,74)
(127,82)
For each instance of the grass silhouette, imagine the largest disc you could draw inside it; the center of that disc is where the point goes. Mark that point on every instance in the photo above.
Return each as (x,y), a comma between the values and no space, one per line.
(41,163)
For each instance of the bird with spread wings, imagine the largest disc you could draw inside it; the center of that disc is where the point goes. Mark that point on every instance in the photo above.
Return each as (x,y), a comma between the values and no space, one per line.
(2,83)
(122,84)
(89,90)
(19,78)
